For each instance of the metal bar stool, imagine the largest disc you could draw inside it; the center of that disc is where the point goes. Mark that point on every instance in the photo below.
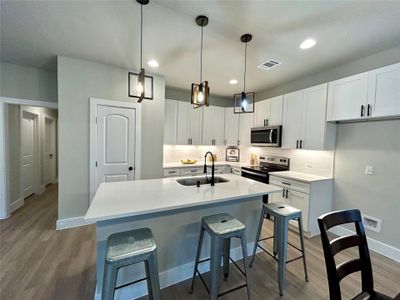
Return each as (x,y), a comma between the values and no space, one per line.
(128,248)
(282,214)
(221,228)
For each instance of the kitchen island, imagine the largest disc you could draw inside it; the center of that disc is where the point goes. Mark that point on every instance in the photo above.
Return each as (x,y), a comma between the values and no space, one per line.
(173,212)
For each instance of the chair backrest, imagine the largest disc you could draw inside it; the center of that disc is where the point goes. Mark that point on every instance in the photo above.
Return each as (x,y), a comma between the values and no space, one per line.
(331,248)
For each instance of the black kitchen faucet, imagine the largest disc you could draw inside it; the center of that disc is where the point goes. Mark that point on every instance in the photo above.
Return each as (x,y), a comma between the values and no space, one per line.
(212,167)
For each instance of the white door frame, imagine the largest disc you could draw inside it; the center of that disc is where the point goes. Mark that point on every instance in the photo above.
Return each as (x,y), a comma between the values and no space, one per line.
(94,102)
(4,166)
(53,166)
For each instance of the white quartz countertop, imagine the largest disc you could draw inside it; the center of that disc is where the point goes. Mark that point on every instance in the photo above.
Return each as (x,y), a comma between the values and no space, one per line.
(201,163)
(132,198)
(304,177)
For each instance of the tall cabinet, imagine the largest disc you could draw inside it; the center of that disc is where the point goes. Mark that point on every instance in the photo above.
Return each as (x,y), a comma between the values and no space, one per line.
(304,120)
(170,122)
(213,125)
(231,127)
(189,124)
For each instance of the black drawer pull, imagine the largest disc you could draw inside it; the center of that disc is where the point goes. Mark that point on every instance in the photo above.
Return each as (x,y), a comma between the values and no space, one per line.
(287,183)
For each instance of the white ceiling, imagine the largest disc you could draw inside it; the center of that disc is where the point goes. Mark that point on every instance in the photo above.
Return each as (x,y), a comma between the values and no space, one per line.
(34,32)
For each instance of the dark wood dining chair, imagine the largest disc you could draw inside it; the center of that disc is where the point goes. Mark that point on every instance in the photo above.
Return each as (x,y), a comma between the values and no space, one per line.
(362,263)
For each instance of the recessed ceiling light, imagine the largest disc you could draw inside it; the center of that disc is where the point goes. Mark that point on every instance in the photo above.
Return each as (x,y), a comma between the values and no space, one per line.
(307,44)
(153,63)
(233,81)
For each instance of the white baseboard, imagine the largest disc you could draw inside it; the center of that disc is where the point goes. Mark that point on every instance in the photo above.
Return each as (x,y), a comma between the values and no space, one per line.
(71,222)
(171,277)
(16,204)
(374,245)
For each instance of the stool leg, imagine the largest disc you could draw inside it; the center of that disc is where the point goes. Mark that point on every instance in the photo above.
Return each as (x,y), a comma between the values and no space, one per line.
(215,266)
(226,247)
(302,247)
(154,281)
(149,288)
(244,251)
(283,233)
(276,237)
(109,281)
(260,224)
(196,263)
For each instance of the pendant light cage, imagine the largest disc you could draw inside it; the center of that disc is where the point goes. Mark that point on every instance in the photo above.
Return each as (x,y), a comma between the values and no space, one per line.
(200,91)
(244,101)
(140,85)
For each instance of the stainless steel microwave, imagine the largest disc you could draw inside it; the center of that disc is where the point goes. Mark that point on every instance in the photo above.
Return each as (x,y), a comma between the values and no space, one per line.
(269,136)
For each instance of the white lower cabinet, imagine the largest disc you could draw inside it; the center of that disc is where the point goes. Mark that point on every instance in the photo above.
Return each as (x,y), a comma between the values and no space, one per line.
(195,170)
(313,199)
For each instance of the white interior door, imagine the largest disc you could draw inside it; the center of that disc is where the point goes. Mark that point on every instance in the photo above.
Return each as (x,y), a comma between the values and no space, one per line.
(49,155)
(115,144)
(28,137)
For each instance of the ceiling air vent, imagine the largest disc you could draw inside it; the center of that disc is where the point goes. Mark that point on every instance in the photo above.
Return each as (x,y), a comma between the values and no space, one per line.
(269,64)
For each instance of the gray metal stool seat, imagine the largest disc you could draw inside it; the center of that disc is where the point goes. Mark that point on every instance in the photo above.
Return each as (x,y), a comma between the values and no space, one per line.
(128,248)
(221,228)
(282,214)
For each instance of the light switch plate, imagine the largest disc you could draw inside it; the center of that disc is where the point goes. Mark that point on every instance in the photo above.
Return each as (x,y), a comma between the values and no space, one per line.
(369,170)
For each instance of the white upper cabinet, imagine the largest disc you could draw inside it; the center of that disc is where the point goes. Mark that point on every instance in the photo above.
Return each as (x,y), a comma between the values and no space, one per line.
(347,98)
(231,127)
(275,111)
(183,123)
(246,122)
(170,122)
(373,94)
(189,124)
(317,134)
(384,91)
(213,125)
(304,120)
(261,113)
(292,119)
(268,112)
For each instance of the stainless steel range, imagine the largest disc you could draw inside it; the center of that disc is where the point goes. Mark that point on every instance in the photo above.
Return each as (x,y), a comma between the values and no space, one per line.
(267,164)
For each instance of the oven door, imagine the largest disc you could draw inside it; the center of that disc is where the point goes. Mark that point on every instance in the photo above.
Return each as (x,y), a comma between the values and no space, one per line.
(255,176)
(266,136)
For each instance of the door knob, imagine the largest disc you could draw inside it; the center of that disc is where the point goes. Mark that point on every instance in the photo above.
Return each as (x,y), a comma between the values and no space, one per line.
(130,168)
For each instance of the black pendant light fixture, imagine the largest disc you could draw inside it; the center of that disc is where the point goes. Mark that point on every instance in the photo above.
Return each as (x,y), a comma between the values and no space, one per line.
(200,91)
(140,85)
(244,101)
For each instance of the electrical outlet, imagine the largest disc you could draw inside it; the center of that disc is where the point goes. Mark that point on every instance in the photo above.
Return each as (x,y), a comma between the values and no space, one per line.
(369,170)
(372,223)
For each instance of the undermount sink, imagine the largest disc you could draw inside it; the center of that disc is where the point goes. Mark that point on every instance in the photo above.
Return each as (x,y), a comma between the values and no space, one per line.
(202,179)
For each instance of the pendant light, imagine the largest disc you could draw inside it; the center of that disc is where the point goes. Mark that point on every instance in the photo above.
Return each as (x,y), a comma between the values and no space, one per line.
(200,91)
(140,85)
(244,101)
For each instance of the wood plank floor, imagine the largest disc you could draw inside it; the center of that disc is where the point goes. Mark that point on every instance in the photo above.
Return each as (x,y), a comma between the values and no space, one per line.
(38,262)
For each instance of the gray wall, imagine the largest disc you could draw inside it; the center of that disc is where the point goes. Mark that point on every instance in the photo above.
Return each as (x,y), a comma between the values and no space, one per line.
(78,81)
(27,83)
(375,144)
(377,60)
(185,95)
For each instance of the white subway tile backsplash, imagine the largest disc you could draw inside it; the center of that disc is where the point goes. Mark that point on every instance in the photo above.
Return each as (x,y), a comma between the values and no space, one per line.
(305,161)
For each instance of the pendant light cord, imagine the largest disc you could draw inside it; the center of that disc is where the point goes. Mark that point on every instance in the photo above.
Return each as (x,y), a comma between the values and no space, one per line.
(201,57)
(245,68)
(141,36)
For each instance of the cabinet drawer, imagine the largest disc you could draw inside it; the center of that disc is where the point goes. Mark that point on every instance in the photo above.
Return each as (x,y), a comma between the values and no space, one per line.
(290,184)
(192,171)
(172,172)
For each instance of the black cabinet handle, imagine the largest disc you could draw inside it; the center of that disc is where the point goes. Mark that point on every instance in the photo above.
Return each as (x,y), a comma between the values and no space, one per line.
(369,110)
(283,193)
(301,144)
(287,183)
(297,144)
(287,191)
(362,110)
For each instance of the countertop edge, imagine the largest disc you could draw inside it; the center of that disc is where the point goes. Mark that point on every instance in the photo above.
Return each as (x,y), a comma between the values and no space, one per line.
(287,176)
